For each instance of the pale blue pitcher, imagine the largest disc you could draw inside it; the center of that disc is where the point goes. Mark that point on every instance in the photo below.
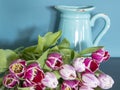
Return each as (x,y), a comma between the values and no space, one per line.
(76,23)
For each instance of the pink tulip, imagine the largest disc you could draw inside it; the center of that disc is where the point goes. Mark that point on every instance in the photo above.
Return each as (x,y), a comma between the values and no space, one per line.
(85,88)
(34,73)
(54,61)
(90,80)
(10,81)
(18,68)
(70,85)
(68,72)
(106,81)
(79,64)
(91,65)
(100,55)
(50,80)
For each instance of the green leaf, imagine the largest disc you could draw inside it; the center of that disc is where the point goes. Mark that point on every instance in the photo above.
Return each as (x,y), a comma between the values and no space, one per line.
(28,53)
(68,55)
(17,50)
(48,34)
(2,88)
(64,44)
(1,81)
(90,50)
(49,40)
(52,38)
(10,56)
(98,72)
(41,43)
(42,58)
(46,68)
(3,60)
(75,54)
(25,88)
(98,88)
(6,57)
(57,74)
(54,49)
(31,61)
(59,87)
(30,49)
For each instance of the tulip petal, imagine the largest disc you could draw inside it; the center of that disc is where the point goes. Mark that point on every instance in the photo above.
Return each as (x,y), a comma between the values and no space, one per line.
(10,81)
(50,80)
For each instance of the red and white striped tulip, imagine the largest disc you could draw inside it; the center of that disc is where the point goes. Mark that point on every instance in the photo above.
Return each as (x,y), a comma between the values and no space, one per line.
(10,81)
(91,65)
(18,68)
(34,73)
(100,55)
(70,85)
(54,61)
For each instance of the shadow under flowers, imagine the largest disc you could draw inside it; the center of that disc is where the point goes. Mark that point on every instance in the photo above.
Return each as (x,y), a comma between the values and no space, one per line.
(23,39)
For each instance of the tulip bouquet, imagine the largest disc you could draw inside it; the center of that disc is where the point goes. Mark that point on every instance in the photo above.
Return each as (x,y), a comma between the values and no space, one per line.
(50,65)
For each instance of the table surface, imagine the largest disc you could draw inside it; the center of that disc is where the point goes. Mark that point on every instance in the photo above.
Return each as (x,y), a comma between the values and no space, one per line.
(112,67)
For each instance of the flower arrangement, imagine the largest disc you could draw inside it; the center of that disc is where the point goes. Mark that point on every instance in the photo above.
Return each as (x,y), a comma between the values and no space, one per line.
(50,65)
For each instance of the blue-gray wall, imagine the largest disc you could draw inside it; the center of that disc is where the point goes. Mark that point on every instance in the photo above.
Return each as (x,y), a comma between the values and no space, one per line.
(22,20)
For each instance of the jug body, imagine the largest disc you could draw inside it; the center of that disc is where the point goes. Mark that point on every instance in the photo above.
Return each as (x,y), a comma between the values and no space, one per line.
(76,25)
(76,28)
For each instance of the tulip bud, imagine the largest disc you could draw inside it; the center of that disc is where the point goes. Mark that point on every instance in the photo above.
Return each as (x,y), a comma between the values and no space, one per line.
(18,68)
(106,81)
(54,61)
(10,81)
(70,85)
(34,73)
(79,64)
(90,80)
(50,80)
(91,65)
(67,72)
(85,88)
(100,55)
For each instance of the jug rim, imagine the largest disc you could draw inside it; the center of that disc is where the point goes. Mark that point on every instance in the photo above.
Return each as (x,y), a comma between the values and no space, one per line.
(75,8)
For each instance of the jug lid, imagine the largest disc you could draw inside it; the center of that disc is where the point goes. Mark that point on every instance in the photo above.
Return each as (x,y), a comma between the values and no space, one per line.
(75,8)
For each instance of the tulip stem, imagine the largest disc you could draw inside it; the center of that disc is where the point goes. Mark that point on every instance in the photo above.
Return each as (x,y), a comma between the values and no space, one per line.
(98,72)
(79,77)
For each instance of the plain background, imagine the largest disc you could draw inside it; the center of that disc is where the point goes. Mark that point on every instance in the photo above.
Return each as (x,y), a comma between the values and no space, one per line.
(21,21)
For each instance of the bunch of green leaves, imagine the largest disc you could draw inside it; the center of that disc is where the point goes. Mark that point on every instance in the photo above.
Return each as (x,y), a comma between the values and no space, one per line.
(44,43)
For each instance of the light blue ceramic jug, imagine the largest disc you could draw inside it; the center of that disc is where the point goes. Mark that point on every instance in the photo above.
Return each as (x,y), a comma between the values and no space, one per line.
(76,23)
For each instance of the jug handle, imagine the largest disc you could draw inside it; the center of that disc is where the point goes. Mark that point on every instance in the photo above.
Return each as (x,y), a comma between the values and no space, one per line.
(105,28)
